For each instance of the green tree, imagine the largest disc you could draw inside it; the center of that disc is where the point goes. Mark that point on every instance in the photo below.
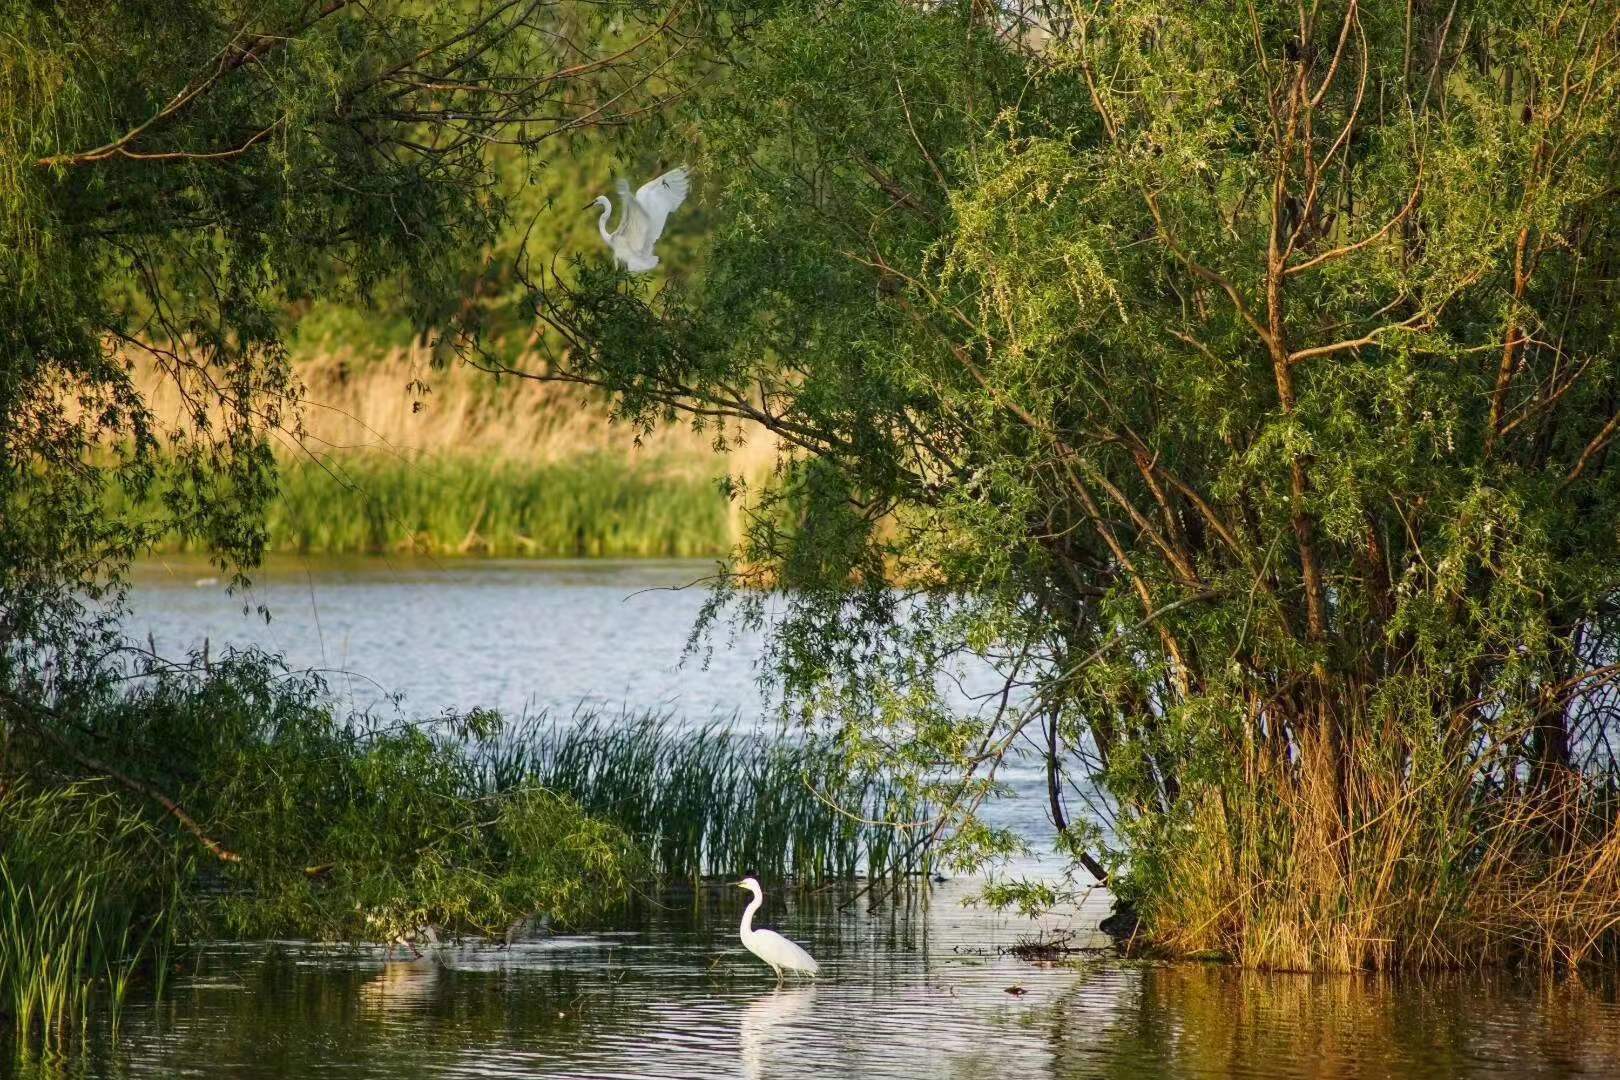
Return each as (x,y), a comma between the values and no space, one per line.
(1241,376)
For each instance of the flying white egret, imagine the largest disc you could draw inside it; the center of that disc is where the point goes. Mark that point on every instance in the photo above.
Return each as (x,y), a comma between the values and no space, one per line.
(641,222)
(771,947)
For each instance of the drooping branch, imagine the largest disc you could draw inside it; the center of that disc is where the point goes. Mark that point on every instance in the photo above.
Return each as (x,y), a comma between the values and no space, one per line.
(24,714)
(230,58)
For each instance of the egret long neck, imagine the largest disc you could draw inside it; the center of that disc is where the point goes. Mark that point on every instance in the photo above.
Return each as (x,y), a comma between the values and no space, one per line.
(601,222)
(747,928)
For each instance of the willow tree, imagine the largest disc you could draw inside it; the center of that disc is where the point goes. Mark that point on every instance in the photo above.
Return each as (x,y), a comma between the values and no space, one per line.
(1240,377)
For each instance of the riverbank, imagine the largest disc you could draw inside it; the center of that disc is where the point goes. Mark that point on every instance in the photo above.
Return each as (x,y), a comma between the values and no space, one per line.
(597,504)
(386,454)
(229,797)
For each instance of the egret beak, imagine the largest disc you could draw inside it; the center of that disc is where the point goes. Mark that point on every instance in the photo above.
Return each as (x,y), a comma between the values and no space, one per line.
(587,206)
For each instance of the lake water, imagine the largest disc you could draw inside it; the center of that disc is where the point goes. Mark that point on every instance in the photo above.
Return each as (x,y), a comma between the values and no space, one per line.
(915,990)
(454,634)
(918,986)
(519,636)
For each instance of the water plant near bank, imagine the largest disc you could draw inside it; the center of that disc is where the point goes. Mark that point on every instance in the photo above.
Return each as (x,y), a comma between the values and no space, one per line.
(228,797)
(392,454)
(594,505)
(712,799)
(88,902)
(591,506)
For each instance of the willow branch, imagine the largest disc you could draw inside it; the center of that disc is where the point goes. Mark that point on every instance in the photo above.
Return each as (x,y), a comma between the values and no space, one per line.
(187,822)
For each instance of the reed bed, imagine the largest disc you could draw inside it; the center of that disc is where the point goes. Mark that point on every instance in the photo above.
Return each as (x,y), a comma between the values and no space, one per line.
(401,403)
(594,505)
(709,800)
(81,909)
(389,455)
(1439,870)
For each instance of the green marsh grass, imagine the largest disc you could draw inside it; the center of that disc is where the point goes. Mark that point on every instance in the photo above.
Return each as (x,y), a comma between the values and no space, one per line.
(478,466)
(88,894)
(710,800)
(594,505)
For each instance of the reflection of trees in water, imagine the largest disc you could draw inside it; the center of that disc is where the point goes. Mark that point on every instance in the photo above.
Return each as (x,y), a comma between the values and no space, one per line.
(758,1039)
(544,1010)
(1208,1020)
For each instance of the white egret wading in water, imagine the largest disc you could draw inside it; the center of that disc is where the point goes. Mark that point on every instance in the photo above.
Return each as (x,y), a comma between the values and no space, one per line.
(641,222)
(771,947)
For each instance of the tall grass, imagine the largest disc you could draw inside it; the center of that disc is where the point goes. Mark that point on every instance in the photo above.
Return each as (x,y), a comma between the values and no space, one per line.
(88,895)
(708,800)
(596,505)
(1438,869)
(400,404)
(390,455)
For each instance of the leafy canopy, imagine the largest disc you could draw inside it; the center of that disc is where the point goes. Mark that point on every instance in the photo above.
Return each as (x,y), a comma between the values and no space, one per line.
(1239,377)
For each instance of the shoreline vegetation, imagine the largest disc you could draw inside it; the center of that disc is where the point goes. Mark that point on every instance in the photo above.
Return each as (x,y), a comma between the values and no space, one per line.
(244,805)
(389,455)
(1235,375)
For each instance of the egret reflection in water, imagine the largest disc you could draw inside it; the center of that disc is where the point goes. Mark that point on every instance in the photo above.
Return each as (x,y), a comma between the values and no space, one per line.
(401,984)
(765,1031)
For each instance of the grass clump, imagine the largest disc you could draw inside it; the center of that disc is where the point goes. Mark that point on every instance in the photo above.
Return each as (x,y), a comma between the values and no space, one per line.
(338,827)
(227,798)
(87,900)
(708,800)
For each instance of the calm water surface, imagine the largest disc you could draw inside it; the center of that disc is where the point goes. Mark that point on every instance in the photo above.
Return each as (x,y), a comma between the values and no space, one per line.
(919,986)
(453,634)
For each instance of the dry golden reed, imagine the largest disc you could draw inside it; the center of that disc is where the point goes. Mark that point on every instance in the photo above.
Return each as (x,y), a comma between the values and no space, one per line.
(394,454)
(1432,872)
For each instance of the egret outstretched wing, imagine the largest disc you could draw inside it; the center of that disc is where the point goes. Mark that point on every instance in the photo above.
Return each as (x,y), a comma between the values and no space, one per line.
(661,197)
(633,231)
(642,221)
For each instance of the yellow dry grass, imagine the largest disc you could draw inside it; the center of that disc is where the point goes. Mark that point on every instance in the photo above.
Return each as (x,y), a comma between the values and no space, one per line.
(400,405)
(1393,869)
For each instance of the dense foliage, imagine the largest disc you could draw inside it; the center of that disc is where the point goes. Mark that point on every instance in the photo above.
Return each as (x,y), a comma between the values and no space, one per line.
(1241,376)
(227,797)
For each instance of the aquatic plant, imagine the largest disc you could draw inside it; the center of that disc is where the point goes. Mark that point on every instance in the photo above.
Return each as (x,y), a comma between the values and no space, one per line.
(708,799)
(306,821)
(593,505)
(460,504)
(88,896)
(374,462)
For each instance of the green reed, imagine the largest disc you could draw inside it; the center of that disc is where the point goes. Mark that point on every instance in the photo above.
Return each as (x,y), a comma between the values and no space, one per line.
(596,504)
(81,908)
(708,800)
